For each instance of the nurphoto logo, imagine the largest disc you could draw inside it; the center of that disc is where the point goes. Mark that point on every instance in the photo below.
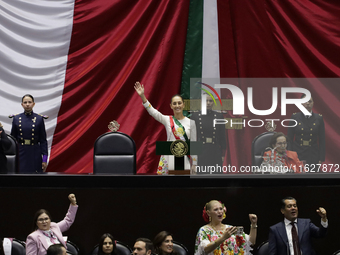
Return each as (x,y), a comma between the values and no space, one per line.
(238,98)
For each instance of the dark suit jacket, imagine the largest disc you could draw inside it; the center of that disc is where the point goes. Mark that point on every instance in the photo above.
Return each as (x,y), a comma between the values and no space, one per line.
(5,144)
(278,240)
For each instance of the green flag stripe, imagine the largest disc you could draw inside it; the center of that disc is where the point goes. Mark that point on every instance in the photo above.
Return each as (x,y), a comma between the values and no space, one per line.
(192,65)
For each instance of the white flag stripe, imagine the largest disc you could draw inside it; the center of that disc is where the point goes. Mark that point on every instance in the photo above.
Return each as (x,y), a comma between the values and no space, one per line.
(211,52)
(210,57)
(34,43)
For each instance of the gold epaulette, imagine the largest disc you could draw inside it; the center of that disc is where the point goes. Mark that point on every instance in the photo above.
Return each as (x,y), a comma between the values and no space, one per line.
(44,116)
(13,115)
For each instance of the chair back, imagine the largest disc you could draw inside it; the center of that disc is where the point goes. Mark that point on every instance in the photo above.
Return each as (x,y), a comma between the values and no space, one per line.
(263,248)
(180,248)
(115,153)
(12,155)
(71,248)
(121,249)
(259,144)
(18,247)
(337,252)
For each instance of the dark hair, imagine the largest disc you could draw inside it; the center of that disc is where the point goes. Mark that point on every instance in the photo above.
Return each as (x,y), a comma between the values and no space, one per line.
(159,239)
(177,95)
(148,243)
(55,249)
(274,138)
(101,242)
(27,95)
(36,216)
(283,204)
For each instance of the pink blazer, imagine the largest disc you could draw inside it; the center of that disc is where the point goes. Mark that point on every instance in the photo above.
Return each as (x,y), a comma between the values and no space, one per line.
(36,243)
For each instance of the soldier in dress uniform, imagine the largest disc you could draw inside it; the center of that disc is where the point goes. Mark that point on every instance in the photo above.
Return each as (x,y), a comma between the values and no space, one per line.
(28,128)
(307,138)
(213,138)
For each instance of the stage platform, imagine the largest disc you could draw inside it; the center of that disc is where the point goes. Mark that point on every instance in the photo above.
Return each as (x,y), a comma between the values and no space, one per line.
(60,180)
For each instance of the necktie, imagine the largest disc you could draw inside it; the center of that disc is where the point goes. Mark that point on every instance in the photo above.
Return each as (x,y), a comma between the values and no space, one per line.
(296,245)
(50,235)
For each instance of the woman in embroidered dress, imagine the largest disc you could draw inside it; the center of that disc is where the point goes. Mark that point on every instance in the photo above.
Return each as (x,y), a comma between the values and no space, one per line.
(46,232)
(177,127)
(216,238)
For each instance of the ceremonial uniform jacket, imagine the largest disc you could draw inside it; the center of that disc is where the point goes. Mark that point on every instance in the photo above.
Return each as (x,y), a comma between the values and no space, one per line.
(213,138)
(307,138)
(29,130)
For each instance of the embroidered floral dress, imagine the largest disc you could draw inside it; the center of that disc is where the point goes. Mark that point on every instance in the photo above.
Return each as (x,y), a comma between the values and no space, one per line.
(167,162)
(239,244)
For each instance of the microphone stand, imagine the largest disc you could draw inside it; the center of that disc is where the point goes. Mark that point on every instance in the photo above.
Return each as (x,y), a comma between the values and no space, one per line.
(270,163)
(272,156)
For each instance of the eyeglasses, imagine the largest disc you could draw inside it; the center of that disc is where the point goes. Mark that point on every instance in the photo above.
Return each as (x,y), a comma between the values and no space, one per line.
(43,219)
(280,144)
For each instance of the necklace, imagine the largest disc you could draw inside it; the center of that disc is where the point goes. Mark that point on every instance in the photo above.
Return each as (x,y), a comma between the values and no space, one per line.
(220,230)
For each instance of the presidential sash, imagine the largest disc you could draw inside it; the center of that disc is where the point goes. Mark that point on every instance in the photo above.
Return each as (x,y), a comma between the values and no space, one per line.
(179,132)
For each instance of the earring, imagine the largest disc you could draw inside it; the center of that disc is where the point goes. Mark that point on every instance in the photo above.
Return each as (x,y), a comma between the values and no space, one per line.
(209,218)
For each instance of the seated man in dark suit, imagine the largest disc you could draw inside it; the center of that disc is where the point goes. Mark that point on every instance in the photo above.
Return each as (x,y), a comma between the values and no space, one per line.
(293,235)
(56,249)
(143,246)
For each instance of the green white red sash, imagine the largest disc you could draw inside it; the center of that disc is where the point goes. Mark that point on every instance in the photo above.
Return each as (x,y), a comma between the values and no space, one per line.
(179,132)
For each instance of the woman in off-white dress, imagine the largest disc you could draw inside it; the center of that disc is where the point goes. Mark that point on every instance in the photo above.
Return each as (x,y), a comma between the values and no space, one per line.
(177,127)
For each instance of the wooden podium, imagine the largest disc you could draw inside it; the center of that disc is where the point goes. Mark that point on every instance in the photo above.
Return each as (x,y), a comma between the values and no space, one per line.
(164,148)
